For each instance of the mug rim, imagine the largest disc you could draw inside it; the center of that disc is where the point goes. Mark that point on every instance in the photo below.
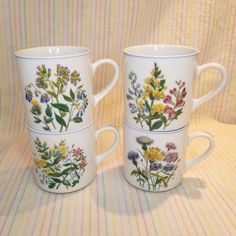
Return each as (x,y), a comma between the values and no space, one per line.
(60,133)
(142,51)
(126,124)
(52,52)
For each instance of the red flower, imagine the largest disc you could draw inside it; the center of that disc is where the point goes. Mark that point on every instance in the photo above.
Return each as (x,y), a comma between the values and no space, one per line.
(170,146)
(173,91)
(180,103)
(167,99)
(77,152)
(82,164)
(183,93)
(172,115)
(168,109)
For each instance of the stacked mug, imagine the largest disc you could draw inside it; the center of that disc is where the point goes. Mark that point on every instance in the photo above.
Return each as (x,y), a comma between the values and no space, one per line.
(59,102)
(159,81)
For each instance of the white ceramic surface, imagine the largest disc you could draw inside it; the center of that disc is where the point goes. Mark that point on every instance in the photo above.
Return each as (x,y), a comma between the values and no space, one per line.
(66,162)
(159,83)
(156,161)
(57,86)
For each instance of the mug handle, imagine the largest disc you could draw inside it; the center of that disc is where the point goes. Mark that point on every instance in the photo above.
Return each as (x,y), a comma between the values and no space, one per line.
(205,98)
(204,155)
(104,154)
(106,90)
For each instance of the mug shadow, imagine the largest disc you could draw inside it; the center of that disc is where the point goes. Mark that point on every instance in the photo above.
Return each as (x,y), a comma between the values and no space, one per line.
(15,198)
(121,198)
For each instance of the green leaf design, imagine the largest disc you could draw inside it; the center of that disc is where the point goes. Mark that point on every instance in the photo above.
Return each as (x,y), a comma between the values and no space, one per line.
(67,98)
(77,119)
(48,120)
(163,118)
(162,82)
(56,180)
(72,95)
(55,174)
(46,128)
(180,111)
(60,120)
(147,106)
(157,125)
(48,111)
(52,94)
(61,107)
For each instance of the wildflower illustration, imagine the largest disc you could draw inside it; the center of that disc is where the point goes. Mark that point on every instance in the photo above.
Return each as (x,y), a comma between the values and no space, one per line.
(152,104)
(59,165)
(154,167)
(53,102)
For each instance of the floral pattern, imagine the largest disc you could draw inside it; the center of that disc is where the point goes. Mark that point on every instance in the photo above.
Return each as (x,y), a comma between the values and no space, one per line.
(56,99)
(59,165)
(153,104)
(154,167)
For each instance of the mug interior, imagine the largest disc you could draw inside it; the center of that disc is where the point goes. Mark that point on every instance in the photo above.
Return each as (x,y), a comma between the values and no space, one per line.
(161,51)
(52,52)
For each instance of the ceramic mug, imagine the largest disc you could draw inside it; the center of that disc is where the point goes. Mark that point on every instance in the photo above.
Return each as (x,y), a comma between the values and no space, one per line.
(159,82)
(66,162)
(57,83)
(155,161)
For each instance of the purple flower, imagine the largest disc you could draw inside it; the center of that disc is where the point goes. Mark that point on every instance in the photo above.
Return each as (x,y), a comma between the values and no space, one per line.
(28,95)
(155,166)
(168,167)
(171,157)
(133,155)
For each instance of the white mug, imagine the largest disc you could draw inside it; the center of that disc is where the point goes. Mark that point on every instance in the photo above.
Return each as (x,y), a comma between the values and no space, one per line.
(159,81)
(57,84)
(155,161)
(66,162)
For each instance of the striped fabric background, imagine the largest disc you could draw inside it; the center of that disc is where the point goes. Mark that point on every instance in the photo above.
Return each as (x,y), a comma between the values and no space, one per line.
(205,203)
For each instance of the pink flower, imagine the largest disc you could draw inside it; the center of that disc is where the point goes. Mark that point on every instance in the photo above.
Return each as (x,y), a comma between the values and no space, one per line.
(172,115)
(180,103)
(183,93)
(173,91)
(170,146)
(168,109)
(77,152)
(167,99)
(171,157)
(82,164)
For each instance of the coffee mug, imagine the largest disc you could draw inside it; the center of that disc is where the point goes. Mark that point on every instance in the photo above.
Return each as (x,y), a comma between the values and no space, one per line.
(155,161)
(159,82)
(57,86)
(66,162)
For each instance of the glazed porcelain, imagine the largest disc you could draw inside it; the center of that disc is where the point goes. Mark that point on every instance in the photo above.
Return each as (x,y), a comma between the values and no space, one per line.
(57,86)
(66,162)
(156,161)
(159,83)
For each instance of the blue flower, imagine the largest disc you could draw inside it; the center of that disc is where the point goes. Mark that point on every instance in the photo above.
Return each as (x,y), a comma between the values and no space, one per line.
(155,166)
(44,98)
(133,155)
(168,167)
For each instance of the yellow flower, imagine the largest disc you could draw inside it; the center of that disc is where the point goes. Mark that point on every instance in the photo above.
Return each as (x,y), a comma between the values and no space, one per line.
(140,104)
(145,96)
(35,103)
(154,154)
(158,94)
(156,83)
(40,163)
(63,150)
(158,108)
(148,89)
(152,72)
(48,170)
(148,80)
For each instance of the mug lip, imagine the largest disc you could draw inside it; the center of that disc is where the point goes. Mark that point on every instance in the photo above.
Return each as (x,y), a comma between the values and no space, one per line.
(130,51)
(34,52)
(60,133)
(155,132)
